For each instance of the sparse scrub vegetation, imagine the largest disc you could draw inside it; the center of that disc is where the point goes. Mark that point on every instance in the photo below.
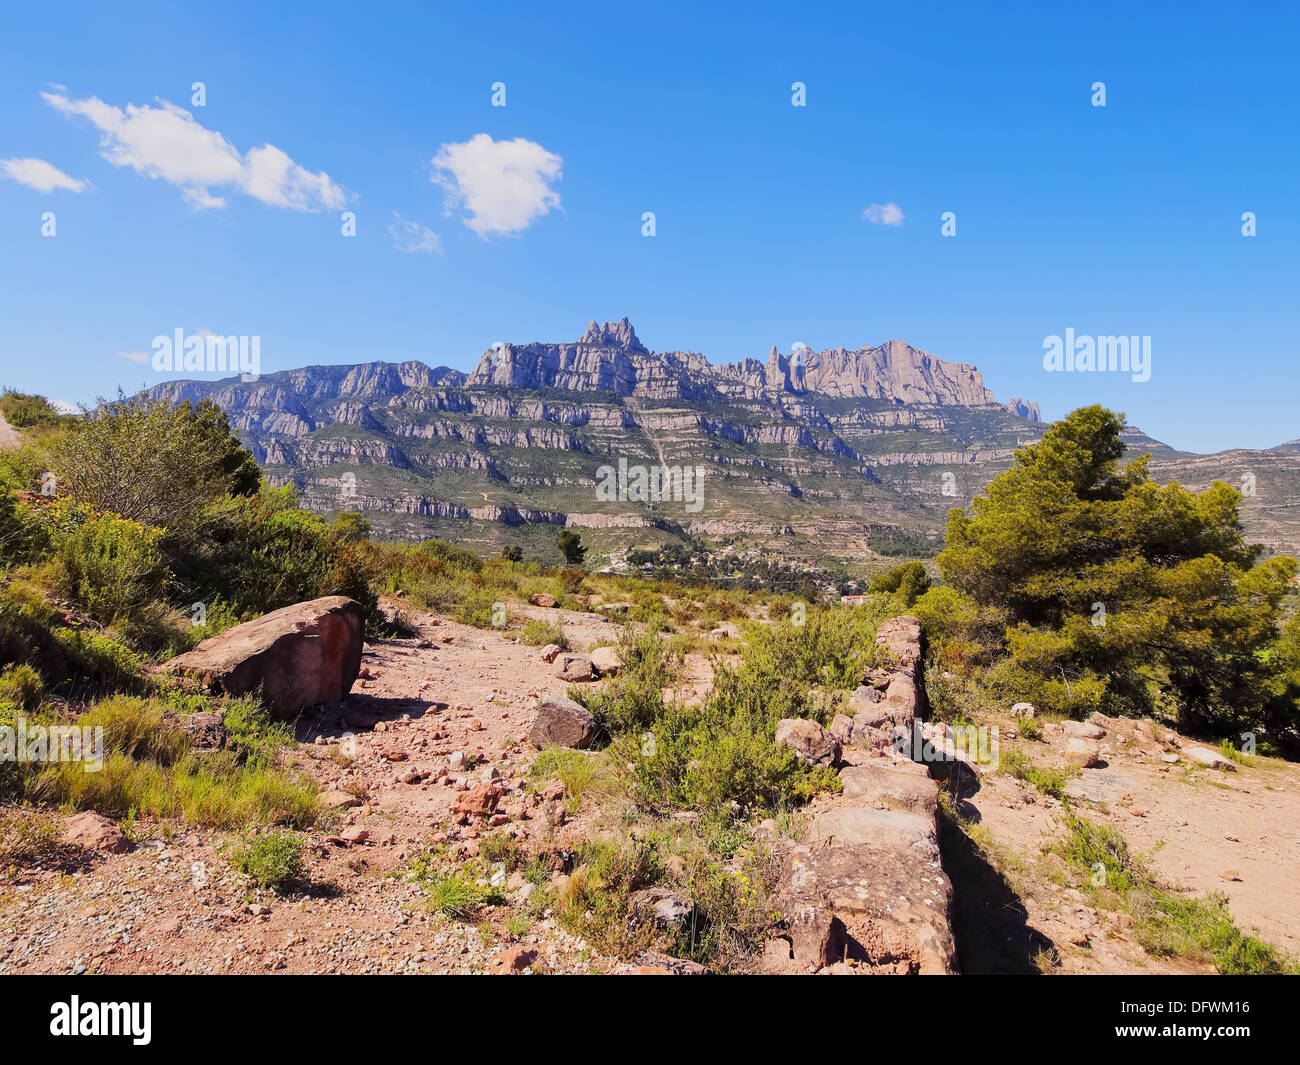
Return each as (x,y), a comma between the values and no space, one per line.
(1047,779)
(1165,923)
(272,860)
(539,633)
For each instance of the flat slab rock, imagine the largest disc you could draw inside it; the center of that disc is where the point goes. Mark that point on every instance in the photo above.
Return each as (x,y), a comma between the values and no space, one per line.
(885,908)
(890,788)
(865,891)
(298,656)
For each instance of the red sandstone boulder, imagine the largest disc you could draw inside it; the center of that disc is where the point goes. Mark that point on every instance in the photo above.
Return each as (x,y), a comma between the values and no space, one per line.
(96,832)
(298,656)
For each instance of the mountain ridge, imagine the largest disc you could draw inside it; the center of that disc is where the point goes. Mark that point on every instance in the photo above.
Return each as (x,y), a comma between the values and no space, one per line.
(833,452)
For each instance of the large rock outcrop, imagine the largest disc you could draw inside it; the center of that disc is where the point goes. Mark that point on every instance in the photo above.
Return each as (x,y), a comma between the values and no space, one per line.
(297,656)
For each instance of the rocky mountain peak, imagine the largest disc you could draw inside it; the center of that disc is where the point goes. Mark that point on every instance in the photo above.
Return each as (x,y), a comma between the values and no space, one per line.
(618,334)
(1024,409)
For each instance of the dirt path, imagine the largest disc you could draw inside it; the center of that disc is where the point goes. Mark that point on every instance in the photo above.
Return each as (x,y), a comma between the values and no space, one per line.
(1199,830)
(9,437)
(175,905)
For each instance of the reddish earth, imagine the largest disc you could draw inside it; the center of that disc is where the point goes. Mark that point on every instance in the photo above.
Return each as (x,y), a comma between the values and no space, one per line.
(173,904)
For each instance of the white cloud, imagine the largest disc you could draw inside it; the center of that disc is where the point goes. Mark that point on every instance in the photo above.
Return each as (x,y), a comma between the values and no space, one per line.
(39,175)
(884,214)
(167,143)
(135,356)
(503,186)
(413,238)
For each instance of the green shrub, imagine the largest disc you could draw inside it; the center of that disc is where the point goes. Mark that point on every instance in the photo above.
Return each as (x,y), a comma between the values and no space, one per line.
(22,686)
(109,566)
(576,770)
(254,732)
(1029,728)
(262,552)
(27,837)
(633,700)
(272,859)
(906,583)
(596,903)
(478,607)
(1046,779)
(539,633)
(24,411)
(150,462)
(455,895)
(98,662)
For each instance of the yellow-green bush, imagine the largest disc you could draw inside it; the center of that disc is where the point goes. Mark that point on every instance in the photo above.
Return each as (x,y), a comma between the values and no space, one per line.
(106,564)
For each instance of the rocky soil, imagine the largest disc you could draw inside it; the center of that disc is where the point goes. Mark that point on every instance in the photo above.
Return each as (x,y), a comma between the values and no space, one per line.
(450,695)
(1234,830)
(433,720)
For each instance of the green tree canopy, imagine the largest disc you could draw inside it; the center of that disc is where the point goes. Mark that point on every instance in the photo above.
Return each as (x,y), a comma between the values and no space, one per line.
(571,547)
(151,462)
(908,582)
(1114,592)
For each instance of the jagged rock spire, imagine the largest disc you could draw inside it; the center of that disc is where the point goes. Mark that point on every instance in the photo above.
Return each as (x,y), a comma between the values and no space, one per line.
(618,334)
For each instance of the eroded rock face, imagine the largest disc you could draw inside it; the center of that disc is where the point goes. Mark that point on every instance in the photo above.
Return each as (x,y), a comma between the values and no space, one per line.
(890,787)
(867,886)
(902,635)
(561,722)
(297,656)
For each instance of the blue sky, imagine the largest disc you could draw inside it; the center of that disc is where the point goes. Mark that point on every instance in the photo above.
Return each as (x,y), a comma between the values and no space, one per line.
(1117,220)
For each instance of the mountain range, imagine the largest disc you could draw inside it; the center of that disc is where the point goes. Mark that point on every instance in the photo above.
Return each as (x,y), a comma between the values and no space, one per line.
(841,453)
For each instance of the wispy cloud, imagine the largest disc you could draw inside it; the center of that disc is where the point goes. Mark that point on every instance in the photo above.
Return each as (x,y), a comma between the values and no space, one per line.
(167,143)
(39,175)
(884,214)
(502,186)
(134,356)
(413,238)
